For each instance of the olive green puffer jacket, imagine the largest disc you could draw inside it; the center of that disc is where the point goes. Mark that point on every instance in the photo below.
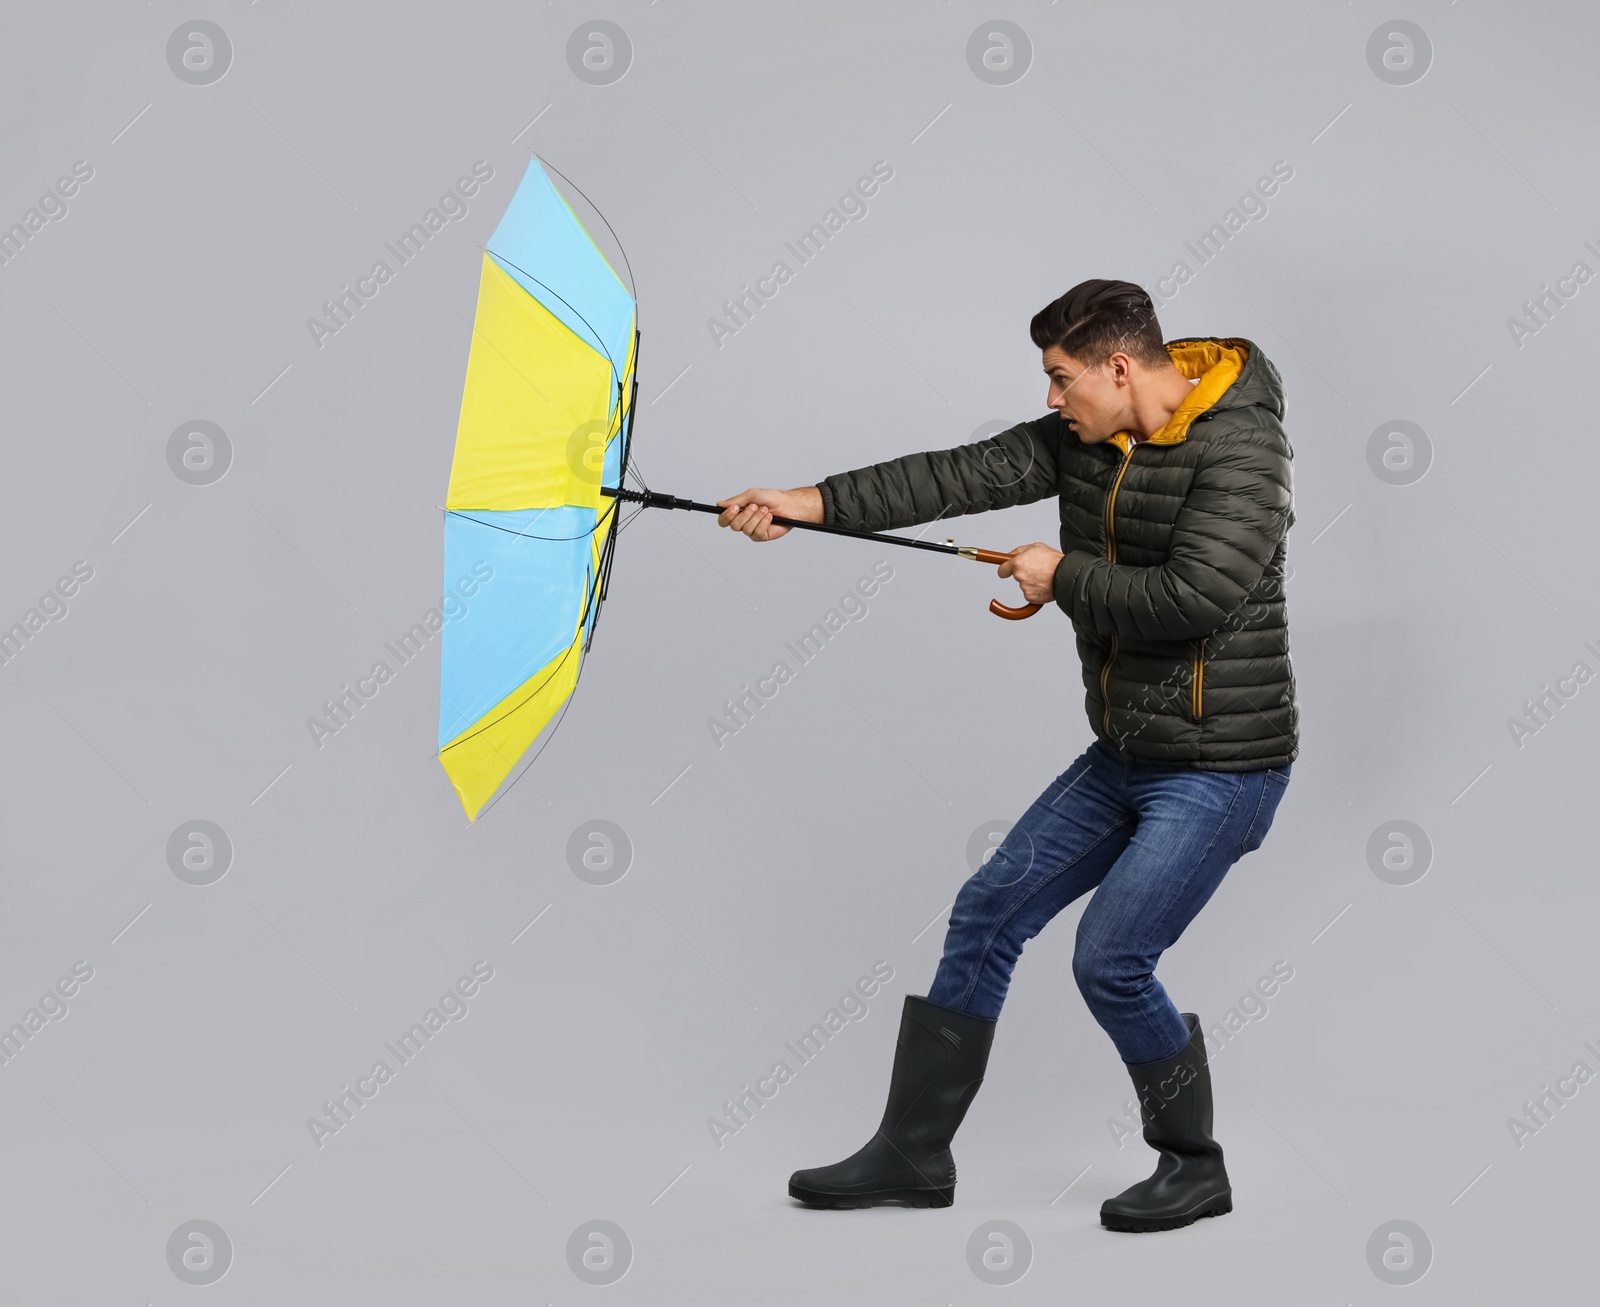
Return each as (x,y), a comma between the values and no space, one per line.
(1173,564)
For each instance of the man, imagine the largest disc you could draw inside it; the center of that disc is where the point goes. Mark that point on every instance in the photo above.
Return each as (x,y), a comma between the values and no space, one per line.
(1173,473)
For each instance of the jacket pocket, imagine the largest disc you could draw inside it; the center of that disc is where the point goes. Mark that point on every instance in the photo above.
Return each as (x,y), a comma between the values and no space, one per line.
(1197,681)
(1105,686)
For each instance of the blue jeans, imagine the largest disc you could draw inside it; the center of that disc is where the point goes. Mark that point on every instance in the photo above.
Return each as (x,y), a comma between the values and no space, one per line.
(1153,841)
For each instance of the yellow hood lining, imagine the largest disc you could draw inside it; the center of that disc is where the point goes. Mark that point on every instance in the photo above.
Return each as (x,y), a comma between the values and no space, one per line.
(1217,364)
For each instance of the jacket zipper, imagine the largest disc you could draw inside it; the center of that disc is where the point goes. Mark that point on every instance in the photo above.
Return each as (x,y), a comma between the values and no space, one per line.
(1111,557)
(1199,671)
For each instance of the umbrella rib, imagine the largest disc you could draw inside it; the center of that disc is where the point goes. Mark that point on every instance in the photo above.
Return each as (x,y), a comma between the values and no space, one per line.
(633,517)
(507,790)
(609,359)
(527,699)
(600,521)
(632,288)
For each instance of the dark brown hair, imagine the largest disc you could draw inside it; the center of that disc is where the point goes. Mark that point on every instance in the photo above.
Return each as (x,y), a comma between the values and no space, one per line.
(1096,319)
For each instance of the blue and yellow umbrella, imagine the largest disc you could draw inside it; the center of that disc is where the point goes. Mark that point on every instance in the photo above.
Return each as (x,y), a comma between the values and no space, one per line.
(545,418)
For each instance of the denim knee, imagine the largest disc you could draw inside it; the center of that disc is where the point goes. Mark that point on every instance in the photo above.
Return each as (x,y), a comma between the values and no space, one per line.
(1104,978)
(979,903)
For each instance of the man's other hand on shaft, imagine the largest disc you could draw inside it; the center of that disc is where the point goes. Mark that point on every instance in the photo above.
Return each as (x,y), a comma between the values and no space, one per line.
(751,511)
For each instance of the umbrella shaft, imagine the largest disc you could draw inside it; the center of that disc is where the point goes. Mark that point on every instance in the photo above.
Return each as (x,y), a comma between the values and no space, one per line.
(651,499)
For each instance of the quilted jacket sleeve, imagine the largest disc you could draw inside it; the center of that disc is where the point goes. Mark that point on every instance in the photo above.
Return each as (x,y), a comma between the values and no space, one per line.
(1237,510)
(1017,466)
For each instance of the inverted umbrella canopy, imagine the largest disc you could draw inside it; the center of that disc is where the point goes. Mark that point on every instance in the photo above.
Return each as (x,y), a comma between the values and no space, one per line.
(545,418)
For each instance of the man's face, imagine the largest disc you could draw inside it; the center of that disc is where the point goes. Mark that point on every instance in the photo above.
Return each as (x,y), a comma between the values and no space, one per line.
(1092,401)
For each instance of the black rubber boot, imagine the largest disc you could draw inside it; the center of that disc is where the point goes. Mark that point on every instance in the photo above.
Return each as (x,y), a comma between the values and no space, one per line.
(1190,1180)
(939,1061)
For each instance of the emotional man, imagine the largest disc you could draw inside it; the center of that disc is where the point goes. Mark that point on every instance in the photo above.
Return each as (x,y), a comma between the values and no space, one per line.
(1173,474)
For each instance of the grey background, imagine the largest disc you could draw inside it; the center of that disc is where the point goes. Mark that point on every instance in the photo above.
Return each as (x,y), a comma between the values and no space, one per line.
(832,832)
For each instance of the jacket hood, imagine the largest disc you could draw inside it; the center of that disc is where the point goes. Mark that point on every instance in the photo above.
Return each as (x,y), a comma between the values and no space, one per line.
(1232,372)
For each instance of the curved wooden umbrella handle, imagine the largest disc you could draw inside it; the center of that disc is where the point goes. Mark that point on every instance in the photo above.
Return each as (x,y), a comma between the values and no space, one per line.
(995,606)
(1013,614)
